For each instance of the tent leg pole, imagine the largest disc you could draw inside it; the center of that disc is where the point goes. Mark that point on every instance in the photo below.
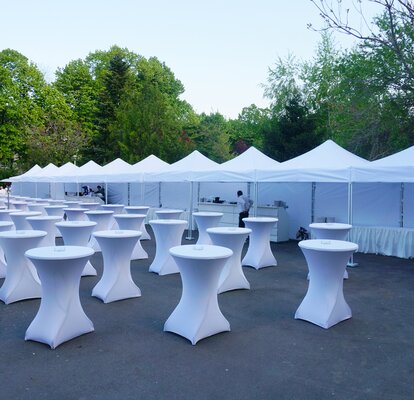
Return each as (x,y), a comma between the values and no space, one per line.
(190,214)
(351,262)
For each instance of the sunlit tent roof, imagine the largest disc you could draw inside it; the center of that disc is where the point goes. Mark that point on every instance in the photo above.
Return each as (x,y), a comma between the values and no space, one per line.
(43,175)
(20,178)
(251,158)
(404,157)
(149,164)
(327,162)
(398,167)
(240,168)
(185,169)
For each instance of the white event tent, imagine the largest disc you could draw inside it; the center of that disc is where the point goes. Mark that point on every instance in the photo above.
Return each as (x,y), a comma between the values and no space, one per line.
(327,181)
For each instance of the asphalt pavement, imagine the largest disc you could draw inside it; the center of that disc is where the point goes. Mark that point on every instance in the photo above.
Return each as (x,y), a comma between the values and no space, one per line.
(266,355)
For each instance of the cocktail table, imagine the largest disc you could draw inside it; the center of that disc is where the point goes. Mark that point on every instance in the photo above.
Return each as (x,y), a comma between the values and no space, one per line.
(324,303)
(259,253)
(116,282)
(60,316)
(198,315)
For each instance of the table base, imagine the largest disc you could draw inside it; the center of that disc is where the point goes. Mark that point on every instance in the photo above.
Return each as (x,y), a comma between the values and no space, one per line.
(198,315)
(125,288)
(23,287)
(324,303)
(265,259)
(60,316)
(89,270)
(139,253)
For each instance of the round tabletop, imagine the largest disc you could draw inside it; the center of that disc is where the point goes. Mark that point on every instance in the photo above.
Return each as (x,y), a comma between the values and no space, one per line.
(74,224)
(6,223)
(328,245)
(59,252)
(204,252)
(98,212)
(25,213)
(80,209)
(22,234)
(44,218)
(229,230)
(168,211)
(129,216)
(55,207)
(137,208)
(260,219)
(117,234)
(167,222)
(113,207)
(207,214)
(329,225)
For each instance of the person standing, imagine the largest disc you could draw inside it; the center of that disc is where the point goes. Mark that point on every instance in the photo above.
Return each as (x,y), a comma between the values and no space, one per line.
(243,207)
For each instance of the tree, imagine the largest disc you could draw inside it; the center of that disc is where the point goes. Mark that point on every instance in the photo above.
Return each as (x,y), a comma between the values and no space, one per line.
(291,132)
(26,101)
(146,124)
(392,32)
(212,138)
(59,141)
(80,92)
(247,129)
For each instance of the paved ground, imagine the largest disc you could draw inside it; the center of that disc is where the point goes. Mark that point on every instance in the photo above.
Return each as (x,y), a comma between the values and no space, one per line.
(267,355)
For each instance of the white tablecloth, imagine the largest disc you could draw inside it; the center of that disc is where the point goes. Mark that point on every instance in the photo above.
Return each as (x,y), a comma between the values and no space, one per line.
(387,241)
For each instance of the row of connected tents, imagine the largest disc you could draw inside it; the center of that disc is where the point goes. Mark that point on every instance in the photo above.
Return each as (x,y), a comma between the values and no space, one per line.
(328,181)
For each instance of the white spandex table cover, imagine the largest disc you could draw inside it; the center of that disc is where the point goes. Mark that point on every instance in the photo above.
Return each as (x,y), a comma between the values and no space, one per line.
(232,276)
(75,213)
(37,207)
(20,205)
(5,215)
(72,203)
(324,303)
(60,316)
(168,233)
(55,210)
(20,221)
(4,227)
(140,210)
(330,231)
(259,254)
(204,221)
(56,202)
(117,209)
(168,214)
(103,219)
(133,222)
(198,315)
(90,205)
(21,280)
(77,233)
(45,223)
(116,282)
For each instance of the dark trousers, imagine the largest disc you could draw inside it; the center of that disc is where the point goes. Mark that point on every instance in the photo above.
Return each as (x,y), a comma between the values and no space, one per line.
(242,215)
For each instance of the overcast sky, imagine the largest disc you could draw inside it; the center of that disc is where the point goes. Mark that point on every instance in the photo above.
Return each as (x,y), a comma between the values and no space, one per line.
(219,49)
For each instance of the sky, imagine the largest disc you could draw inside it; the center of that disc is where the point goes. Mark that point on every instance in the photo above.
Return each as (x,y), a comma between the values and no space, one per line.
(221,50)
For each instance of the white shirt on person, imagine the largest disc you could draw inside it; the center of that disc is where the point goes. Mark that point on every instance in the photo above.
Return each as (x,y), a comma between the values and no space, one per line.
(242,204)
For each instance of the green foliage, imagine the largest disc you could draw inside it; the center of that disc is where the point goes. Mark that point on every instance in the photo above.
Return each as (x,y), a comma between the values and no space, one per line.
(58,142)
(292,132)
(26,100)
(211,137)
(247,130)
